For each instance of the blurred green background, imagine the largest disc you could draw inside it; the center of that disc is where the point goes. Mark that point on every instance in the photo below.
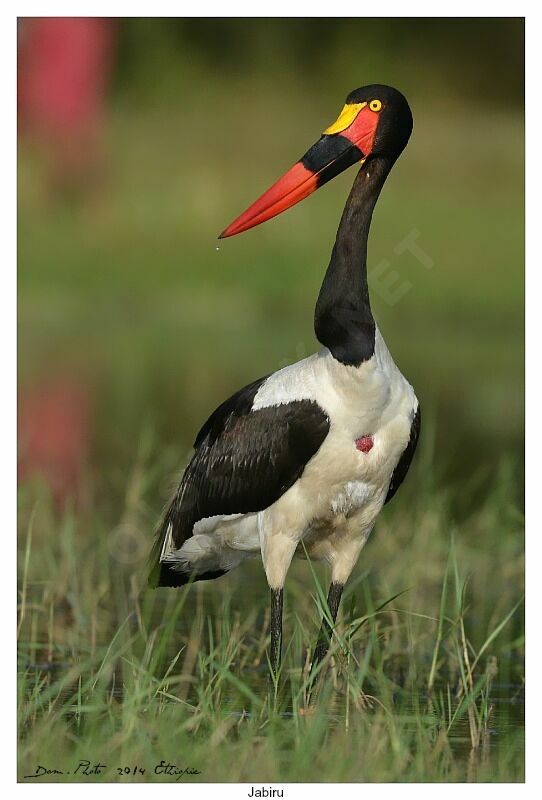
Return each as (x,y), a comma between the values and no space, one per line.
(122,288)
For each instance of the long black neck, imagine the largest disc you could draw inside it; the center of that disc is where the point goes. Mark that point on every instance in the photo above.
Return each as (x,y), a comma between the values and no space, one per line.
(343,320)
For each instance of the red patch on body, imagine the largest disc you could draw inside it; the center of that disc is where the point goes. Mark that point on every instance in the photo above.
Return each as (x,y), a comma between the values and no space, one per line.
(364,443)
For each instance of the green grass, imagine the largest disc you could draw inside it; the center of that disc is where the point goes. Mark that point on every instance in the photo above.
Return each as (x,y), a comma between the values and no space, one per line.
(424,681)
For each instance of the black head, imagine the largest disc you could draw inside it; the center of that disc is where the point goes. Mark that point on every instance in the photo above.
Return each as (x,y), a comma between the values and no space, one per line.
(394,117)
(375,122)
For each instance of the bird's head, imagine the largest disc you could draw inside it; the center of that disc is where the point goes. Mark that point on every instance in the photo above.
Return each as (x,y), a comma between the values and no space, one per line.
(375,121)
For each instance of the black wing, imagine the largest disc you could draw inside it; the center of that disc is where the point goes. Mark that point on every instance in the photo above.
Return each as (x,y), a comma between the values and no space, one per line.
(244,461)
(400,471)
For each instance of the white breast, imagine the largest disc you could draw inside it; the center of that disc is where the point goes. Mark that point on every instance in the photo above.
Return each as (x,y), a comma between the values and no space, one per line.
(340,482)
(353,496)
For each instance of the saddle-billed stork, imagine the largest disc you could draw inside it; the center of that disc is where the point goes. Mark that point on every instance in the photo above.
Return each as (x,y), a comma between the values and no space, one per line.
(302,460)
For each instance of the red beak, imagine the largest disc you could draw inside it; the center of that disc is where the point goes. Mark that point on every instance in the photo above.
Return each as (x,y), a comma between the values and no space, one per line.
(331,155)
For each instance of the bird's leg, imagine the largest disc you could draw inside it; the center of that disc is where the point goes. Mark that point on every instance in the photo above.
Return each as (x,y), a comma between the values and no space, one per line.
(276,632)
(324,637)
(277,551)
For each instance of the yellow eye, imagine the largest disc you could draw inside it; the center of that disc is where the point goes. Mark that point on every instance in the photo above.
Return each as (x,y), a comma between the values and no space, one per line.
(375,105)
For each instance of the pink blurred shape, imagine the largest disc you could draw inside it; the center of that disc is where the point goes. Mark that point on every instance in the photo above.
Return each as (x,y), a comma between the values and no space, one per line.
(54,436)
(63,73)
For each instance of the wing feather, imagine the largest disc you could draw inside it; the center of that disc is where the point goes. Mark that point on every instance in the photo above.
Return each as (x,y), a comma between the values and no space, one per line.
(244,461)
(403,465)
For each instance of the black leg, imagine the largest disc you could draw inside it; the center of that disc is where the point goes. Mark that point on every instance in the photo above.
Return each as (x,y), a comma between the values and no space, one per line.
(276,630)
(324,637)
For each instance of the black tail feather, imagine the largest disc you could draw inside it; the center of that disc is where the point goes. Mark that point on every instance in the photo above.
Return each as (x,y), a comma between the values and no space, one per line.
(171,577)
(155,565)
(162,573)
